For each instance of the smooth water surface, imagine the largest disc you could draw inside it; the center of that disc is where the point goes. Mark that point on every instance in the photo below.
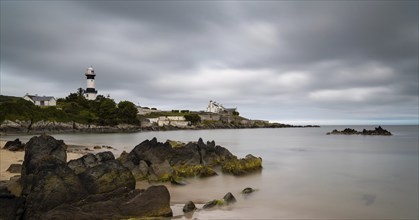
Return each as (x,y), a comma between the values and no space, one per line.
(306,174)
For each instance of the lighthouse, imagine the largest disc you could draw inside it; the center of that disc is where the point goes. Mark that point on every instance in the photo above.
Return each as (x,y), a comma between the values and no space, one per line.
(91,92)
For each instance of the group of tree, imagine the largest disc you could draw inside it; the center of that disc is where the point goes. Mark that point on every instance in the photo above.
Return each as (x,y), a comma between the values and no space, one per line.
(73,108)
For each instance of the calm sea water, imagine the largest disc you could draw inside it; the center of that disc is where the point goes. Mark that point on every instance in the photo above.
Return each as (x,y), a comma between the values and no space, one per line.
(306,173)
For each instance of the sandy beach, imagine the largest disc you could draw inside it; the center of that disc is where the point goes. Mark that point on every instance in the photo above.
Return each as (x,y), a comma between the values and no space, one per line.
(10,157)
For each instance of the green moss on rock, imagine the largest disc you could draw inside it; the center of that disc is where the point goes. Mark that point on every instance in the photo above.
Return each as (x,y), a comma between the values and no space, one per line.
(194,171)
(176,144)
(242,166)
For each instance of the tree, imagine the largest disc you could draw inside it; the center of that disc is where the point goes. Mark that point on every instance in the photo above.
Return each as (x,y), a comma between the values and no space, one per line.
(193,118)
(80,92)
(127,112)
(107,113)
(236,113)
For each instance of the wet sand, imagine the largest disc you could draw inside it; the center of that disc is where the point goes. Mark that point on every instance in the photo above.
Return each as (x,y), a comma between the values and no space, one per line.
(16,157)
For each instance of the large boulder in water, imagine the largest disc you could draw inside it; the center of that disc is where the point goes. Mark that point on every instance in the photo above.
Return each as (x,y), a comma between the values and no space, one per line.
(154,152)
(106,177)
(242,166)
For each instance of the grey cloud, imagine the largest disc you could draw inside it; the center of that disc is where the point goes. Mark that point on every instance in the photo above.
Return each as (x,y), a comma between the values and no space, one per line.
(274,60)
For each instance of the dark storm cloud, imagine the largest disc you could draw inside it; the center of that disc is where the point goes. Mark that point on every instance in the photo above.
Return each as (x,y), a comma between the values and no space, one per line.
(302,61)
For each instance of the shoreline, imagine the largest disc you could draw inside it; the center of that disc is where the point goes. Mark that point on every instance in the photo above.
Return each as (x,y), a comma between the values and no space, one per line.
(148,129)
(16,157)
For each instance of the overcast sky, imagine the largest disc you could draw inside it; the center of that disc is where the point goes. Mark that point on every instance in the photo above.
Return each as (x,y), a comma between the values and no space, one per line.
(321,62)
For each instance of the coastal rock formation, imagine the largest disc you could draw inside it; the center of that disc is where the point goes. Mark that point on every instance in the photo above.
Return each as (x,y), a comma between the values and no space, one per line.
(89,160)
(18,126)
(350,131)
(242,166)
(158,161)
(106,177)
(53,183)
(15,145)
(101,188)
(39,153)
(119,204)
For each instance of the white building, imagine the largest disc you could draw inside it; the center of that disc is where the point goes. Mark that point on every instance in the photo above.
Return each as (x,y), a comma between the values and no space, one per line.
(91,91)
(41,100)
(215,107)
(176,121)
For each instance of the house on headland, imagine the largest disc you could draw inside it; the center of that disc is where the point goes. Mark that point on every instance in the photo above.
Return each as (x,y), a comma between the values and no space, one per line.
(214,107)
(41,100)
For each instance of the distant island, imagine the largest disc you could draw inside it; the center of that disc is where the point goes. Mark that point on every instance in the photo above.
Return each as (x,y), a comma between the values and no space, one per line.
(350,131)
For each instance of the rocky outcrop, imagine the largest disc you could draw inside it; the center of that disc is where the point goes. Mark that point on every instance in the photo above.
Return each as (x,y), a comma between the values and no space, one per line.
(15,145)
(350,131)
(243,166)
(17,126)
(52,184)
(106,177)
(158,161)
(40,152)
(101,188)
(118,204)
(89,160)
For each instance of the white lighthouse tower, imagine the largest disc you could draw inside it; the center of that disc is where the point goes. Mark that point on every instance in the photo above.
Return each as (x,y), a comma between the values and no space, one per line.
(91,92)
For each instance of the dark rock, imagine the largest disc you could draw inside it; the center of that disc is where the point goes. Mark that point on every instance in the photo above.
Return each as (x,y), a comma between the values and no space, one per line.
(194,170)
(52,183)
(350,131)
(11,207)
(154,202)
(121,203)
(162,158)
(242,166)
(106,177)
(36,150)
(229,198)
(143,168)
(247,190)
(213,203)
(154,152)
(95,206)
(163,171)
(15,145)
(15,168)
(97,147)
(14,185)
(89,160)
(189,207)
